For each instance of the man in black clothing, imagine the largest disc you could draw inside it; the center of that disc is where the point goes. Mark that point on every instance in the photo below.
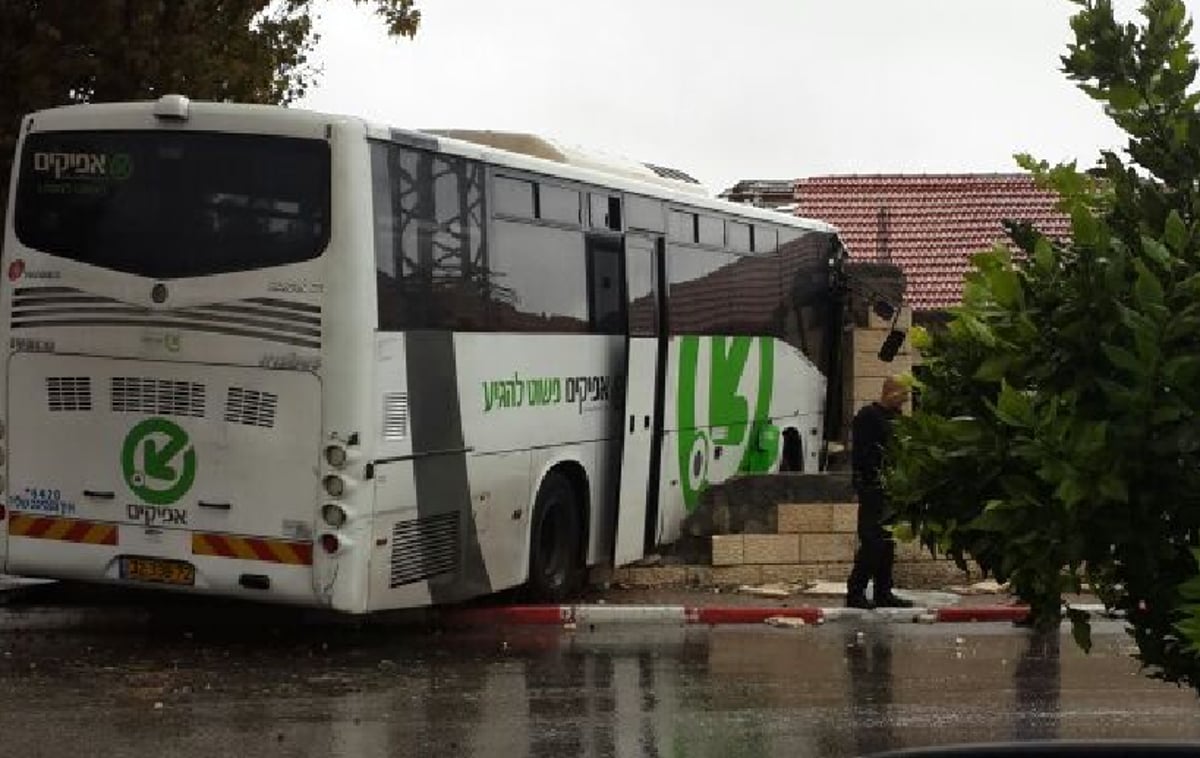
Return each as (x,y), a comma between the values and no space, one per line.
(876,550)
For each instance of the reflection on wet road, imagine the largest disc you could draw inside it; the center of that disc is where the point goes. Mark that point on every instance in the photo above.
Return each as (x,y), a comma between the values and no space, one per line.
(185,691)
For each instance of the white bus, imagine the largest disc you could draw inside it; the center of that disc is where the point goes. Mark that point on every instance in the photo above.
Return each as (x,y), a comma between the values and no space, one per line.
(307,359)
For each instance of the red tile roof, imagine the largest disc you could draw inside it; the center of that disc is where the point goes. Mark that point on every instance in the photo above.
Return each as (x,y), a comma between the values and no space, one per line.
(929,225)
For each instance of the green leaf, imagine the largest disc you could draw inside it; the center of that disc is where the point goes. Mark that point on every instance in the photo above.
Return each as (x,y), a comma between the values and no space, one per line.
(919,338)
(1085,228)
(1155,250)
(1123,359)
(991,520)
(1091,440)
(1182,370)
(1124,97)
(1176,233)
(1071,491)
(1147,290)
(978,330)
(1043,254)
(1166,414)
(1014,407)
(903,532)
(1005,286)
(1113,487)
(993,368)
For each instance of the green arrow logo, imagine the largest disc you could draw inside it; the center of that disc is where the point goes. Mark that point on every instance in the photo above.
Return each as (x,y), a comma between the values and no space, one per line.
(158,461)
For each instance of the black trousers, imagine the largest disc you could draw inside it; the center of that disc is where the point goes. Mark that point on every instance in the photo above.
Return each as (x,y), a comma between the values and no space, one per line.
(876,549)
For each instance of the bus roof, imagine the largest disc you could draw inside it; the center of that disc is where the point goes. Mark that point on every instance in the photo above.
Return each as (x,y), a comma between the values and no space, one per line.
(534,154)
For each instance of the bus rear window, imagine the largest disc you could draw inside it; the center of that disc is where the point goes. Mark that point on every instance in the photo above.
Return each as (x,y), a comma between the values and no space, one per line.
(174,204)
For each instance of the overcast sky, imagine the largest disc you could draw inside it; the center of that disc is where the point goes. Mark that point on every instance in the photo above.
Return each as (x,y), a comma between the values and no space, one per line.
(725,91)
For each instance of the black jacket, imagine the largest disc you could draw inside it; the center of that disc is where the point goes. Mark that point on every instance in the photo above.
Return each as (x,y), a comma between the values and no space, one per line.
(869,438)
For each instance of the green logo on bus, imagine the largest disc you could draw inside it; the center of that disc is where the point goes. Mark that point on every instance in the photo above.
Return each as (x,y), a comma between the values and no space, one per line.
(733,417)
(158,461)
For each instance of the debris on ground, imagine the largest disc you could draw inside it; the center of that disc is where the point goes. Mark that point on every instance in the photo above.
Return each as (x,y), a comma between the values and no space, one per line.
(774,589)
(786,622)
(821,587)
(986,587)
(650,561)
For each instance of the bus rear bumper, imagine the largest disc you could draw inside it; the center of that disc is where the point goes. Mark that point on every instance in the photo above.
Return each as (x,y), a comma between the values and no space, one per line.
(257,578)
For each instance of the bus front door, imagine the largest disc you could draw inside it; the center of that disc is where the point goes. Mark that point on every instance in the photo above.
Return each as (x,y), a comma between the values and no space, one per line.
(642,430)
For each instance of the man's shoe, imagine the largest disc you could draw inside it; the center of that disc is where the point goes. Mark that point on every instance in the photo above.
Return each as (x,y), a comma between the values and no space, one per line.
(858,601)
(893,601)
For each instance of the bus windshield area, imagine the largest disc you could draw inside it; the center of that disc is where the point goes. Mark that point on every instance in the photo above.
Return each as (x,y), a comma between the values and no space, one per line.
(174,204)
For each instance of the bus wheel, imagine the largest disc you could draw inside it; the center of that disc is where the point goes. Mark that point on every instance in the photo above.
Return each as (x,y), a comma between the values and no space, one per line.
(556,542)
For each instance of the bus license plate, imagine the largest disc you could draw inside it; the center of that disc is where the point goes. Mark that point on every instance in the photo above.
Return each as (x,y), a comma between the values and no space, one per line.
(157,570)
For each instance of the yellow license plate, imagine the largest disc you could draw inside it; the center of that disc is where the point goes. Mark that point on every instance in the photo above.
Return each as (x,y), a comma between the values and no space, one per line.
(158,570)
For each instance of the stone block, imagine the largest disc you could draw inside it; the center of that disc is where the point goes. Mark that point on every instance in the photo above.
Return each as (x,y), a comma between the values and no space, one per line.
(929,575)
(903,322)
(786,573)
(728,550)
(869,341)
(806,572)
(650,576)
(912,551)
(827,548)
(698,576)
(804,518)
(771,548)
(869,365)
(845,518)
(723,576)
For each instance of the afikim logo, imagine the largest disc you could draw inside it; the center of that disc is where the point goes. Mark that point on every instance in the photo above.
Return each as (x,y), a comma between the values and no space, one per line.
(734,413)
(158,461)
(117,166)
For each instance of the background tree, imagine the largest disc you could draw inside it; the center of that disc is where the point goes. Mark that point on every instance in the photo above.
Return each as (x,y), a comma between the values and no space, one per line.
(1058,439)
(59,52)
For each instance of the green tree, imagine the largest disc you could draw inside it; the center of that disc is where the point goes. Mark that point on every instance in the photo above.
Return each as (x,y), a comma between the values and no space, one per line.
(1058,440)
(60,52)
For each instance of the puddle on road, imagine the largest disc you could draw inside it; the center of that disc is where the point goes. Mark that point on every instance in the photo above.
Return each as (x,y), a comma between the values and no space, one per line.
(732,691)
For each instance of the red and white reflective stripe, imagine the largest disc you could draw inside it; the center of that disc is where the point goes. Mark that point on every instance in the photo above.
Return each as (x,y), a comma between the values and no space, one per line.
(676,615)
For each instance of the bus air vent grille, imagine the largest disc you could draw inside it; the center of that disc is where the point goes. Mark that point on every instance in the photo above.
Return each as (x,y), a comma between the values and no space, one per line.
(69,393)
(272,319)
(425,548)
(250,407)
(395,415)
(131,394)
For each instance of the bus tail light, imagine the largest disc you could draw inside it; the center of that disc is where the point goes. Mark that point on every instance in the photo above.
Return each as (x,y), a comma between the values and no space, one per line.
(334,515)
(334,485)
(330,543)
(335,455)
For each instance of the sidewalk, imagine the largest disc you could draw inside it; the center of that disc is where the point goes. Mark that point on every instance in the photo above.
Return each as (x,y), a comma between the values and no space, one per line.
(676,606)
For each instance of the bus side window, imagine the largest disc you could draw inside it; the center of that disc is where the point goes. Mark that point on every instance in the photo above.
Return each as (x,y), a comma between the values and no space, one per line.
(606,303)
(429,239)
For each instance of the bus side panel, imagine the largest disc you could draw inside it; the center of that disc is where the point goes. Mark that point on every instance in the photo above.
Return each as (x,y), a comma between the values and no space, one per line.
(798,401)
(500,485)
(726,397)
(558,395)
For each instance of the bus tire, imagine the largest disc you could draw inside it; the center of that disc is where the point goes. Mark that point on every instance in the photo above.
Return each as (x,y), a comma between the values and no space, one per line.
(555,542)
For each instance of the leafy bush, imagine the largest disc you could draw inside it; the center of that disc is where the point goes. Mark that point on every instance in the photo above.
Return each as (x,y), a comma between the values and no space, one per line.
(1058,440)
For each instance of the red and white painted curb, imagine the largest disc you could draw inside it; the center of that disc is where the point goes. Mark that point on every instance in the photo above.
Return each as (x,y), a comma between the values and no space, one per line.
(677,615)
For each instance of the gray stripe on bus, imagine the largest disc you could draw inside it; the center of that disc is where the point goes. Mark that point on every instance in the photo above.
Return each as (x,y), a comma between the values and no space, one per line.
(440,481)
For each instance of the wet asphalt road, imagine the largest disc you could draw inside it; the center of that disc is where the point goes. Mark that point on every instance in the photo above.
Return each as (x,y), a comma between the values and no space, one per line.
(272,687)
